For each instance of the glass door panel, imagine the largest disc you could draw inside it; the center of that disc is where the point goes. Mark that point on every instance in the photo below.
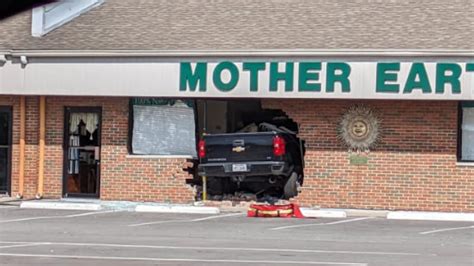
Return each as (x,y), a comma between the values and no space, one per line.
(5,149)
(82,152)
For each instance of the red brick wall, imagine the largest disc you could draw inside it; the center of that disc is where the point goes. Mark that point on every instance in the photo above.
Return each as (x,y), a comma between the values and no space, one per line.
(412,168)
(31,148)
(123,177)
(31,144)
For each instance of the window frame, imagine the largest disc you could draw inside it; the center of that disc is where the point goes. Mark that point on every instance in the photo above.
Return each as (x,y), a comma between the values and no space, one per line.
(131,122)
(461,105)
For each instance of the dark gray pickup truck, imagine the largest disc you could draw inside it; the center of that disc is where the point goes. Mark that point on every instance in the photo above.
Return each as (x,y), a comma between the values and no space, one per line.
(269,162)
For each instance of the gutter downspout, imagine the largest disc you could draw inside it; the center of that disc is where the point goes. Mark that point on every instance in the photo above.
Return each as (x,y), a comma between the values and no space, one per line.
(21,174)
(42,135)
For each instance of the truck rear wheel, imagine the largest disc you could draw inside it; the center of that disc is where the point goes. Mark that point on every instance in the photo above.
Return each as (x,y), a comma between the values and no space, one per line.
(291,187)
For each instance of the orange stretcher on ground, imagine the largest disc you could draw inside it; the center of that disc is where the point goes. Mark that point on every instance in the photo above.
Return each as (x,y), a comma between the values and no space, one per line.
(266,210)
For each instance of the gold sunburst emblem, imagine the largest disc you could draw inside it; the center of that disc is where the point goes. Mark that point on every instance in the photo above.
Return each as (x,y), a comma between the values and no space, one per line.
(359,128)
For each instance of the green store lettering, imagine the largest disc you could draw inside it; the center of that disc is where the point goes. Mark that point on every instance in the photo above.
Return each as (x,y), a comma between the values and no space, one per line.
(283,76)
(447,78)
(308,76)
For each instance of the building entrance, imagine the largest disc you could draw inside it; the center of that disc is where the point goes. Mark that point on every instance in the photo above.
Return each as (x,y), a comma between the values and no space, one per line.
(82,142)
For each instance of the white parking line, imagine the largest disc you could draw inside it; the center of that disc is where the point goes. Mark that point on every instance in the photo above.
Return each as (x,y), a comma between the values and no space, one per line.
(350,220)
(294,226)
(446,229)
(28,219)
(188,221)
(22,245)
(54,217)
(190,260)
(159,222)
(217,217)
(306,225)
(246,249)
(90,213)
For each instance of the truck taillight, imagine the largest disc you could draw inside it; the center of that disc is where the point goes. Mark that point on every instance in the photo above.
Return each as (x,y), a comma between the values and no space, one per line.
(279,146)
(202,148)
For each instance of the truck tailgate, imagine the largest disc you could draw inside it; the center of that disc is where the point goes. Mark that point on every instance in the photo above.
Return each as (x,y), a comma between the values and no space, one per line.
(239,147)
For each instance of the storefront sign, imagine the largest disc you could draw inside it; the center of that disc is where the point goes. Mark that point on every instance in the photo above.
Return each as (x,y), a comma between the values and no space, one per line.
(325,79)
(243,78)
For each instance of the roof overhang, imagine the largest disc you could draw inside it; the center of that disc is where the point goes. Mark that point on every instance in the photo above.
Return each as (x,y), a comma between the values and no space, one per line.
(244,53)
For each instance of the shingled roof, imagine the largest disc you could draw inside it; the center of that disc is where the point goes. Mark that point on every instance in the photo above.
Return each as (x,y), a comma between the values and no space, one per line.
(255,25)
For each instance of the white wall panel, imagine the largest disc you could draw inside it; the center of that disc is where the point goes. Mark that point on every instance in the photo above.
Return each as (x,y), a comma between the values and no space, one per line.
(157,78)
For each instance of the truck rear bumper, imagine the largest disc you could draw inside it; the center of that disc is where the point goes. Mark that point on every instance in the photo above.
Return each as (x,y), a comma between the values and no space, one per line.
(243,169)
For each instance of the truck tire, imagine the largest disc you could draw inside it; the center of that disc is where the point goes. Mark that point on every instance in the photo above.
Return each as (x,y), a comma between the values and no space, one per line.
(291,188)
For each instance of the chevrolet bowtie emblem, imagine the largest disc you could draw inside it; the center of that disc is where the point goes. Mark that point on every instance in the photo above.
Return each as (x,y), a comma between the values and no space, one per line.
(238,149)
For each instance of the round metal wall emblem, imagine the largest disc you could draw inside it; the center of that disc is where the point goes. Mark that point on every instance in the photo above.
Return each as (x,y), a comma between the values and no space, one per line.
(359,128)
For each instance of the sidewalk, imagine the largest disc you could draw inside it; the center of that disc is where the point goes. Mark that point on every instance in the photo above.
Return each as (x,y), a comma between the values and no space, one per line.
(199,208)
(9,200)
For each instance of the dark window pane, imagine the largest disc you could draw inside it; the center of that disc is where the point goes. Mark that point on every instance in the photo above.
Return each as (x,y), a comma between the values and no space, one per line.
(3,169)
(4,129)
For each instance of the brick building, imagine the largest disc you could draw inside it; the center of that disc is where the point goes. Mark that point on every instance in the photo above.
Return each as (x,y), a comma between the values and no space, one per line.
(105,99)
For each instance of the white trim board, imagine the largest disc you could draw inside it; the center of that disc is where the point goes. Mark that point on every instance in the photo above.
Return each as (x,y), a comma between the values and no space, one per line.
(349,53)
(52,16)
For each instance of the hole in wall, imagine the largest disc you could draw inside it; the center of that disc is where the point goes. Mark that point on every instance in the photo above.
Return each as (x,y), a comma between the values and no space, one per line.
(246,118)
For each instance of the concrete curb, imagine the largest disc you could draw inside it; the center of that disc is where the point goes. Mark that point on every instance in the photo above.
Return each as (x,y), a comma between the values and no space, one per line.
(323,213)
(366,213)
(60,205)
(8,199)
(308,212)
(177,209)
(433,216)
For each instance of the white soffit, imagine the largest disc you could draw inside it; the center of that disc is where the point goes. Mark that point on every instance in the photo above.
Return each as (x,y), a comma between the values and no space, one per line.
(52,16)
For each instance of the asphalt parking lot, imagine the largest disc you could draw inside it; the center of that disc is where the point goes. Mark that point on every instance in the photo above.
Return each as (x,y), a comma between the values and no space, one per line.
(54,237)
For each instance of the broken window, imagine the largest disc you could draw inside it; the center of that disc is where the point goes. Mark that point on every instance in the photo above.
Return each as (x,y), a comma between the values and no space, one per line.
(163,127)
